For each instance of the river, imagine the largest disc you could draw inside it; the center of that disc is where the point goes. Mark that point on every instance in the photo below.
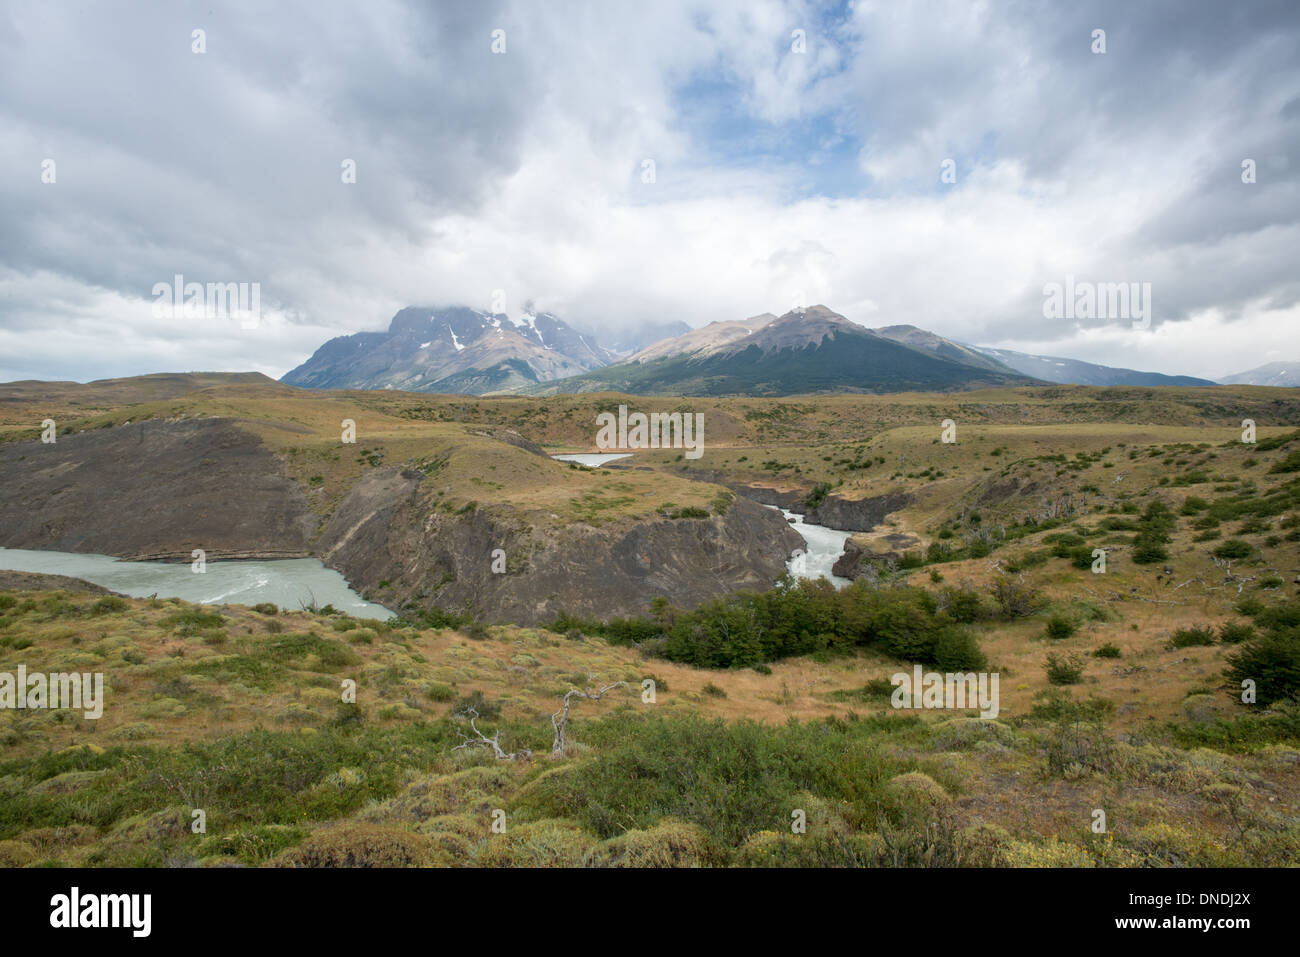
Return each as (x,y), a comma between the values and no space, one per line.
(290,583)
(823,549)
(591,459)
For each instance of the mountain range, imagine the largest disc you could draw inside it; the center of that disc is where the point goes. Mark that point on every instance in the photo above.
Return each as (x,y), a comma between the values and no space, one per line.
(804,351)
(457,349)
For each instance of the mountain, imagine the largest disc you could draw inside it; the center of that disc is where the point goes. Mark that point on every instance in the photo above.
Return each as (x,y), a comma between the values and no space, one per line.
(1075,372)
(804,351)
(945,348)
(624,342)
(1271,373)
(456,349)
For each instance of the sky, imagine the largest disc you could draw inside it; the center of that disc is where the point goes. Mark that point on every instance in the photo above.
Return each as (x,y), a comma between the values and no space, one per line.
(620,162)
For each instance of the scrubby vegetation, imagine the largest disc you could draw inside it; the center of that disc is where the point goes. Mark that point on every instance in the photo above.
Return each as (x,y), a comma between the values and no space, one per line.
(256,734)
(803,617)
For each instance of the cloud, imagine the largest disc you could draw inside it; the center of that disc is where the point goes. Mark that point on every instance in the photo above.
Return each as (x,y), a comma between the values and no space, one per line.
(777,174)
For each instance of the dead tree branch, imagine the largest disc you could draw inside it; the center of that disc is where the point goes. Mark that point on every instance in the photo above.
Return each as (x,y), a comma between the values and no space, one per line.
(560,720)
(493,742)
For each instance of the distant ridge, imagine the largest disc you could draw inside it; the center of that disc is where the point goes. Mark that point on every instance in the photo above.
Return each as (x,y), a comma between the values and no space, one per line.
(1075,372)
(1271,373)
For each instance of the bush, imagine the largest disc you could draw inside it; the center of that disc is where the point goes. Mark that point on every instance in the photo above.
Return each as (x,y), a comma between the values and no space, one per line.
(669,843)
(691,511)
(1235,632)
(1064,671)
(1108,650)
(817,495)
(436,691)
(962,605)
(1147,552)
(193,620)
(1014,599)
(107,605)
(266,608)
(354,844)
(1232,549)
(956,649)
(1272,661)
(1060,626)
(1191,637)
(551,843)
(733,779)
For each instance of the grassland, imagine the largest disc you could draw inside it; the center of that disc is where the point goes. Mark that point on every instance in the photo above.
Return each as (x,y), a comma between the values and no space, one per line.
(239,712)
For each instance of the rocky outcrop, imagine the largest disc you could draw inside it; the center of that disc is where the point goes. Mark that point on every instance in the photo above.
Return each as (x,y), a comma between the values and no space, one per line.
(857,515)
(862,553)
(401,549)
(39,581)
(156,490)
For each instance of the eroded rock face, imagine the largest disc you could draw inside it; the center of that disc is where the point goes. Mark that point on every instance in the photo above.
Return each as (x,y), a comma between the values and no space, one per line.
(398,548)
(857,515)
(153,490)
(161,489)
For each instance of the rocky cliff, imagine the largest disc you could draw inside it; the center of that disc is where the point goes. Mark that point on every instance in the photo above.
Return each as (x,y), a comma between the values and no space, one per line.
(159,489)
(390,541)
(154,489)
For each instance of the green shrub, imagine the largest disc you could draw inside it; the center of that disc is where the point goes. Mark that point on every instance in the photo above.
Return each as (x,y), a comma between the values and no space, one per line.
(1064,670)
(691,511)
(293,649)
(668,844)
(733,779)
(436,691)
(1192,637)
(1014,599)
(1108,650)
(107,605)
(1147,552)
(550,843)
(1232,549)
(1235,632)
(1060,626)
(353,844)
(193,620)
(1272,661)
